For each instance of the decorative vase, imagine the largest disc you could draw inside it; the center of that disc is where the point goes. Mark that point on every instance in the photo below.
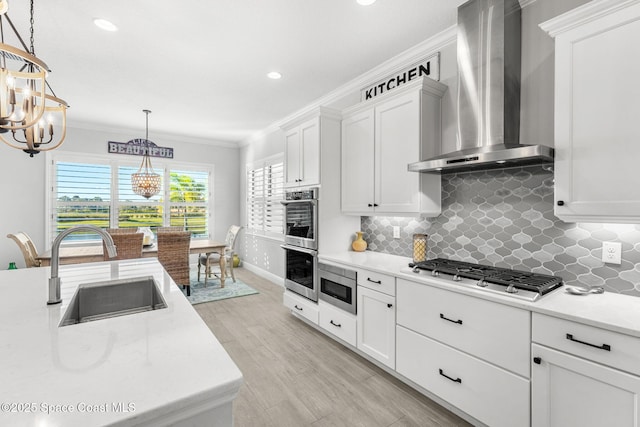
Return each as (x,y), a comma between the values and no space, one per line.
(359,245)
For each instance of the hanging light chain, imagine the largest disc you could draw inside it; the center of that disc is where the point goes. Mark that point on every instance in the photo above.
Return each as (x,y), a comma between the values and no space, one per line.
(31,22)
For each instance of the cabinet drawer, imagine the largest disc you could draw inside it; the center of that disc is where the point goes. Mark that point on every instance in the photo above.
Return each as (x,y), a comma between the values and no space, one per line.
(377,281)
(338,322)
(609,348)
(301,306)
(487,393)
(494,332)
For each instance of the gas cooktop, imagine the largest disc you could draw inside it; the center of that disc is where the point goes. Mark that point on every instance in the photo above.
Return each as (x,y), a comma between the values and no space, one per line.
(513,283)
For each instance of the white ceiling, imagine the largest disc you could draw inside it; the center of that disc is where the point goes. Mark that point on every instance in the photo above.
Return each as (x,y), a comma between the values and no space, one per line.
(201,66)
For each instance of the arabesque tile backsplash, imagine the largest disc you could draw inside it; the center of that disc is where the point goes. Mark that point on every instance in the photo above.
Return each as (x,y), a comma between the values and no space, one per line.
(505,218)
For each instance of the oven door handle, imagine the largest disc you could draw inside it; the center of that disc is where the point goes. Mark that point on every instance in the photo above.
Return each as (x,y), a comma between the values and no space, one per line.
(299,249)
(289,202)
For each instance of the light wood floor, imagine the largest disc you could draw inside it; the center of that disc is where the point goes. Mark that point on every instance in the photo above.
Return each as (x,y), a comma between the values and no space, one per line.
(296,376)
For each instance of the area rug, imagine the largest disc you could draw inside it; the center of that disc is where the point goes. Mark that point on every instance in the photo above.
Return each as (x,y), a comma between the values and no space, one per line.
(213,292)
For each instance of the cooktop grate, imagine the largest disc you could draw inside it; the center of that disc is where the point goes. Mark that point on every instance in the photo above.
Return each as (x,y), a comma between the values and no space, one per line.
(540,283)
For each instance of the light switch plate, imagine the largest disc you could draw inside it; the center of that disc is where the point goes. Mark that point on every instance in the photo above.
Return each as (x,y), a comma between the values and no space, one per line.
(612,252)
(396,232)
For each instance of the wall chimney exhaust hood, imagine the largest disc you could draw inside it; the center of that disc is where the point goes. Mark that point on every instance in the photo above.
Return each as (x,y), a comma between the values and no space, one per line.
(488,102)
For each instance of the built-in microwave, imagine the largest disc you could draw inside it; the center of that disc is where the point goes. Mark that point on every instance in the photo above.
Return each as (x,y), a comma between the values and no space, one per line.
(338,286)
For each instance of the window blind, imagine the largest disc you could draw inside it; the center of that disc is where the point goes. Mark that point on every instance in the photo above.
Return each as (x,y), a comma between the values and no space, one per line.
(265,190)
(98,192)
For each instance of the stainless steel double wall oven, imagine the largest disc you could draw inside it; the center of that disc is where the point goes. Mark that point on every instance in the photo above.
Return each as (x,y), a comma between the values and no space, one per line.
(301,242)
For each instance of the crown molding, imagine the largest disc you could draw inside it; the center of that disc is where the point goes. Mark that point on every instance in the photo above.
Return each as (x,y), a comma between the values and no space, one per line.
(525,3)
(157,135)
(409,56)
(584,14)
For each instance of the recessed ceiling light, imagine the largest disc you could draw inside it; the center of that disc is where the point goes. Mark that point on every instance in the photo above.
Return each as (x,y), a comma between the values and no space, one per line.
(105,25)
(366,2)
(274,75)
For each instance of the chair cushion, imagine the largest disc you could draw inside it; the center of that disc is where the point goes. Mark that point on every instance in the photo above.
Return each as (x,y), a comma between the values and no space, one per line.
(214,258)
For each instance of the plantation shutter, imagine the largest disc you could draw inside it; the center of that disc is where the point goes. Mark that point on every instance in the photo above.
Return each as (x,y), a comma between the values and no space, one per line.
(274,190)
(96,190)
(265,190)
(189,197)
(82,196)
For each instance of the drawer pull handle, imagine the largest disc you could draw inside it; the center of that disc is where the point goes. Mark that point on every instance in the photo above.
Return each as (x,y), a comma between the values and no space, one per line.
(606,347)
(338,325)
(389,305)
(459,322)
(457,380)
(298,308)
(537,360)
(377,282)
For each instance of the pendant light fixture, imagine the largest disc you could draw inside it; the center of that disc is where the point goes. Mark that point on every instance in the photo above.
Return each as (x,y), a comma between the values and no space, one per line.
(27,111)
(146,182)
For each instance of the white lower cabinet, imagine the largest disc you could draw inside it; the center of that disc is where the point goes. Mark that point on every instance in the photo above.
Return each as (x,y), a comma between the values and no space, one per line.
(301,306)
(570,391)
(338,322)
(578,375)
(489,394)
(490,331)
(377,325)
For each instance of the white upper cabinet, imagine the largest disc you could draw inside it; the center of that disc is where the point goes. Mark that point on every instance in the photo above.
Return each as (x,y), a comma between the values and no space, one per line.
(597,137)
(379,139)
(302,148)
(302,154)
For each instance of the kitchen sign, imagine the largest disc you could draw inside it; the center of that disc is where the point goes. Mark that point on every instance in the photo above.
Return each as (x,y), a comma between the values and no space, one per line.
(429,66)
(138,147)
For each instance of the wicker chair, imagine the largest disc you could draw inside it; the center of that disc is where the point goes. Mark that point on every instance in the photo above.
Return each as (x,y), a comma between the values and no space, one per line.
(207,261)
(27,248)
(128,245)
(168,229)
(128,230)
(173,254)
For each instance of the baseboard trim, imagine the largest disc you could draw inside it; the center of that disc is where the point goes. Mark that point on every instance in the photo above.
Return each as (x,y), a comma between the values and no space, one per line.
(263,273)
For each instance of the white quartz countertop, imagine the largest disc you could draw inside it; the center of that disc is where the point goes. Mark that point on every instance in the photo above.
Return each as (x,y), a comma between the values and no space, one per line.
(138,369)
(614,312)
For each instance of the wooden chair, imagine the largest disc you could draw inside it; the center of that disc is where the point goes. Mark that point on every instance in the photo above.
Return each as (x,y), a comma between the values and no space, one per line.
(27,248)
(173,254)
(212,259)
(128,245)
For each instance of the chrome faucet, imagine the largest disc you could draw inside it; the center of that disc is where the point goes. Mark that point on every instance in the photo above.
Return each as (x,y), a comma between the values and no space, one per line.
(54,281)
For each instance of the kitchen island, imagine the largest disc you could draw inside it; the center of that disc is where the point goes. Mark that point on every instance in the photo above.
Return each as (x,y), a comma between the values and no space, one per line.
(160,367)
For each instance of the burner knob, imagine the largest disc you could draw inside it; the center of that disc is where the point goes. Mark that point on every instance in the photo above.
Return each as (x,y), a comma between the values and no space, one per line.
(457,278)
(482,283)
(512,289)
(435,273)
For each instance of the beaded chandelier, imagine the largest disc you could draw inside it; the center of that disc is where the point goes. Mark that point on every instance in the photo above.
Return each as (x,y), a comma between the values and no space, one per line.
(146,182)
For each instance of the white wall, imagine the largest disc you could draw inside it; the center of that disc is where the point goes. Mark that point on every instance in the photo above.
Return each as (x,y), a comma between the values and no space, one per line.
(23,187)
(23,182)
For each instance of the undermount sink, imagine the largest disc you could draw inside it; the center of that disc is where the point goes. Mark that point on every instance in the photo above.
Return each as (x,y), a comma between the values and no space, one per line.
(102,300)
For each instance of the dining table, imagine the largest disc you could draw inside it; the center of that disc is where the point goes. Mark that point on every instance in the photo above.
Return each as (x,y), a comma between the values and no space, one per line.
(76,254)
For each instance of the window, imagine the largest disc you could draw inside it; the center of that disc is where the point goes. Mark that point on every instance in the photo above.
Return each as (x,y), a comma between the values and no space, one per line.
(97,191)
(265,190)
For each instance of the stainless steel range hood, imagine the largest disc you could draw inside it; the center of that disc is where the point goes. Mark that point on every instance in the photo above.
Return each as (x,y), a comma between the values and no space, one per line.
(488,93)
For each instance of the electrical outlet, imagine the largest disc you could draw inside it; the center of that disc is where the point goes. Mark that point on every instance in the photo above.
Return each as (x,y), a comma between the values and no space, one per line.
(612,252)
(396,232)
